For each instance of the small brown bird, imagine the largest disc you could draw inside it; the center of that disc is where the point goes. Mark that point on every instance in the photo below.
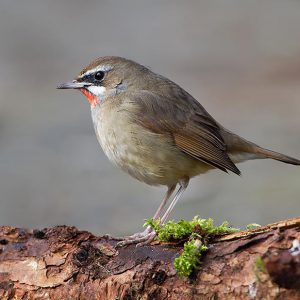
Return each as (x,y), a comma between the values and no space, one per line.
(157,132)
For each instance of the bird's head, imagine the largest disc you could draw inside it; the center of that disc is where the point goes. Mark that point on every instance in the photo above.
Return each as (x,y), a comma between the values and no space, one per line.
(107,76)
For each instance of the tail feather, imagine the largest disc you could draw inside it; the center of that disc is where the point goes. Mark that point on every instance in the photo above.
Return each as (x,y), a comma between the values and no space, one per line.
(275,155)
(240,150)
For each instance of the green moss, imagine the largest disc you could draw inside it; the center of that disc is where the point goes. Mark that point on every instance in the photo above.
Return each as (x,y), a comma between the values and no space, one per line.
(189,260)
(252,226)
(198,232)
(183,229)
(259,264)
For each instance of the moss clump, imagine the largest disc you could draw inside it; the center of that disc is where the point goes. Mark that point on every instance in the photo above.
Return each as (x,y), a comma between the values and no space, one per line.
(259,264)
(189,260)
(174,231)
(252,226)
(198,232)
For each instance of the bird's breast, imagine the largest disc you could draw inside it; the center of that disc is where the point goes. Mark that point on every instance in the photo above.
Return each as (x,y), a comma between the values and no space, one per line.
(147,156)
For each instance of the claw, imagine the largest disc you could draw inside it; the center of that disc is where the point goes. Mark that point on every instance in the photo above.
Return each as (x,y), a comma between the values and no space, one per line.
(151,237)
(135,237)
(141,240)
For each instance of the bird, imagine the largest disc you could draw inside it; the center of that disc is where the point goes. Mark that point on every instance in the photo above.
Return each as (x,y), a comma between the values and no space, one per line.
(157,132)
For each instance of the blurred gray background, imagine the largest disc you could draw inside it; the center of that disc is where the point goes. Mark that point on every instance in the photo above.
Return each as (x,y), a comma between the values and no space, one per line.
(240,59)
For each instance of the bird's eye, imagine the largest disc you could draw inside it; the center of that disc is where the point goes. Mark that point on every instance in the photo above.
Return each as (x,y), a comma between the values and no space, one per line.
(99,75)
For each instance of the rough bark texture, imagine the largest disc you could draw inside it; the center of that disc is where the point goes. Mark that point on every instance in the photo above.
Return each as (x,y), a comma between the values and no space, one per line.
(65,263)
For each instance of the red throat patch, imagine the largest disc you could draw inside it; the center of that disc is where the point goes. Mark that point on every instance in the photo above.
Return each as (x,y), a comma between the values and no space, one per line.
(90,96)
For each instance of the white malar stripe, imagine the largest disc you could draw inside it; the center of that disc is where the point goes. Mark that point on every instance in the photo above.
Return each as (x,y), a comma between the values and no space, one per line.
(98,91)
(104,68)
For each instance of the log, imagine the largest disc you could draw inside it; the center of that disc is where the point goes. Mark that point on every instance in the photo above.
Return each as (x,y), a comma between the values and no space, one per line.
(66,263)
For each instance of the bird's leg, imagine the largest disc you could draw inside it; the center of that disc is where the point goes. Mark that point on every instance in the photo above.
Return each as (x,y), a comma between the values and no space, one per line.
(150,237)
(147,238)
(156,215)
(160,208)
(140,236)
(183,185)
(165,200)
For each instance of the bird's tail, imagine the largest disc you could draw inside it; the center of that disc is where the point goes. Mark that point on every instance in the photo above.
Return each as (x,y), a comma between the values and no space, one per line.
(240,150)
(265,153)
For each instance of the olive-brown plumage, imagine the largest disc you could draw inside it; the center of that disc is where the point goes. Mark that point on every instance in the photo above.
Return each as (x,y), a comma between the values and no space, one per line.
(156,131)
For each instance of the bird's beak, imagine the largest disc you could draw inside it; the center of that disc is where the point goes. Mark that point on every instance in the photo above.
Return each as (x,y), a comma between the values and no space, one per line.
(74,84)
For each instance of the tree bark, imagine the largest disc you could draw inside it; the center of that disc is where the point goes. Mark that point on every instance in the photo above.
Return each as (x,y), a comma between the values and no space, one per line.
(65,263)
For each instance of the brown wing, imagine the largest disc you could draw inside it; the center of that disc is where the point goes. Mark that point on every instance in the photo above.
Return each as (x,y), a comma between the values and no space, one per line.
(194,131)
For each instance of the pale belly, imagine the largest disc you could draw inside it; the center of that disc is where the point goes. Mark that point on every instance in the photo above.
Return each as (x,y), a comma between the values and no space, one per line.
(148,157)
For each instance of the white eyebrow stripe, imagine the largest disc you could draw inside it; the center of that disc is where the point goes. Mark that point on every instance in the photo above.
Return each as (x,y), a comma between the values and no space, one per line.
(104,68)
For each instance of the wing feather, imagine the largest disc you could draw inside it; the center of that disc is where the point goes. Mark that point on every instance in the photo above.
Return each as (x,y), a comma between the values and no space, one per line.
(193,130)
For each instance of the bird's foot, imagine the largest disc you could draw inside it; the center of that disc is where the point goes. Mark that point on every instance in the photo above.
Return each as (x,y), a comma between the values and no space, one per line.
(136,235)
(141,238)
(133,237)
